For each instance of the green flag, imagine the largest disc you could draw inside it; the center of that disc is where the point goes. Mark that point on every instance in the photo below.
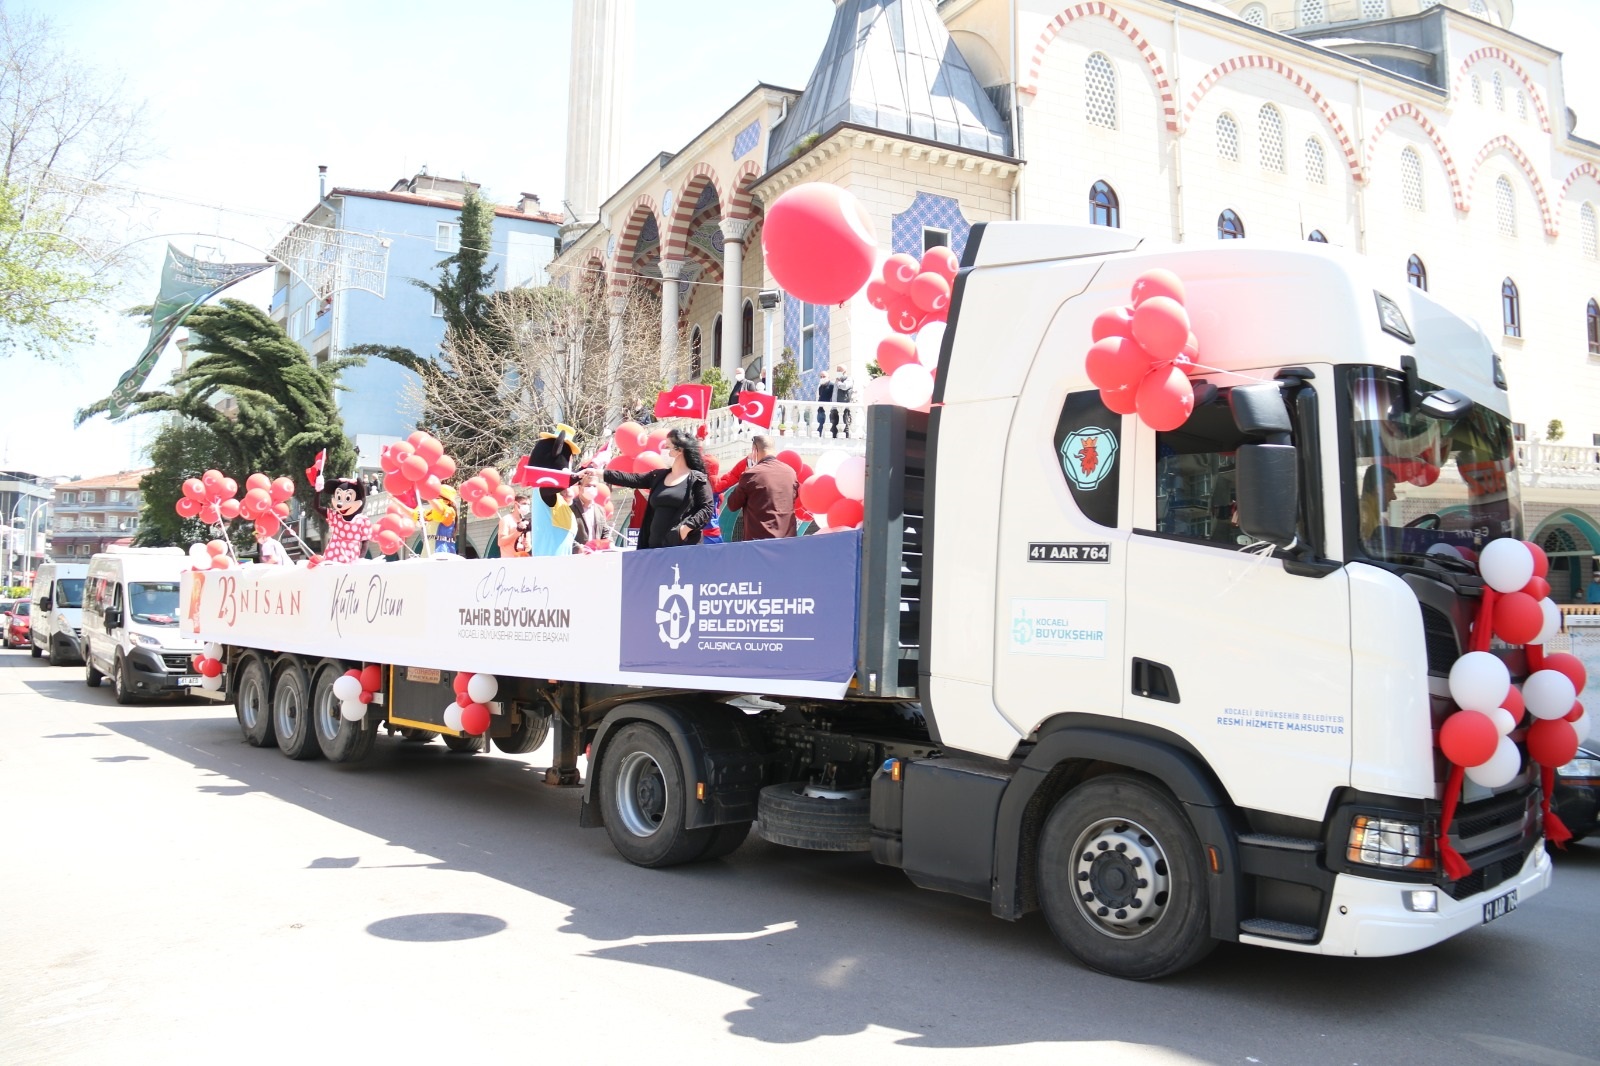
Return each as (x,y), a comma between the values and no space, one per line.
(186,283)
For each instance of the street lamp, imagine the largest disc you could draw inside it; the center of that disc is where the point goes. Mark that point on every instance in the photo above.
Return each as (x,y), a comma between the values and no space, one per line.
(769,299)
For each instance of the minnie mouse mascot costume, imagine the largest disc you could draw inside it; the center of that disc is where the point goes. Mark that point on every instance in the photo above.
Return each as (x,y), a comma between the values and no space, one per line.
(348,528)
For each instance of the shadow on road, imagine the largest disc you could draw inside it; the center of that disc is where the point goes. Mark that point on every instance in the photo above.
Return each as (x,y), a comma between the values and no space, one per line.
(830,944)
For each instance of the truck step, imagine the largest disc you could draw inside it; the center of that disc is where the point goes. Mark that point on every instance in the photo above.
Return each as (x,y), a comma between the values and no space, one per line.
(1277,930)
(1268,840)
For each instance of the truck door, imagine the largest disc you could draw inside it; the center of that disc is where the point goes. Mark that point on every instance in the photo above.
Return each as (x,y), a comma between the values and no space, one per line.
(1247,662)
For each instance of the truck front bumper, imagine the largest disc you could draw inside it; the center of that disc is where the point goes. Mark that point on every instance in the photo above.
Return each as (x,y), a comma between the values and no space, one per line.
(150,675)
(1370,917)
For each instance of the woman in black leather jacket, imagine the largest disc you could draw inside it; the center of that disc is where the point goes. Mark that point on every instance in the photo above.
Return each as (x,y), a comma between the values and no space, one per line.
(680,496)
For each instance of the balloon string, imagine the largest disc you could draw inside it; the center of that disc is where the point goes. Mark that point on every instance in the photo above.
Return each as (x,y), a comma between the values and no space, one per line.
(1190,367)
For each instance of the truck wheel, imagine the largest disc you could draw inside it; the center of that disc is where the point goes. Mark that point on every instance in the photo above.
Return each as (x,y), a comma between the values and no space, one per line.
(643,798)
(725,839)
(91,676)
(464,745)
(54,658)
(1121,879)
(252,703)
(291,711)
(417,736)
(799,815)
(531,732)
(119,680)
(339,739)
(33,648)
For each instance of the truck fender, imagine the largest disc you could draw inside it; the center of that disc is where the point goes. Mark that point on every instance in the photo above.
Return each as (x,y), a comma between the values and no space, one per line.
(712,746)
(1068,747)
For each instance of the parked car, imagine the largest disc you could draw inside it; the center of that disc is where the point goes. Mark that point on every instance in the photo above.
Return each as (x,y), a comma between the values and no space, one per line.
(1576,797)
(16,621)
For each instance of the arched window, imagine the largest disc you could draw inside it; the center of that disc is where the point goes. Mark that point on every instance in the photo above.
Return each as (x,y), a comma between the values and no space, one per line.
(1505,206)
(1104,208)
(1589,231)
(1480,8)
(1271,139)
(1411,178)
(1227,137)
(1374,9)
(1429,3)
(1316,162)
(1313,12)
(1230,227)
(1316,237)
(747,323)
(1477,89)
(1592,322)
(696,341)
(716,341)
(1522,105)
(1499,88)
(1510,308)
(1100,92)
(1417,273)
(1255,15)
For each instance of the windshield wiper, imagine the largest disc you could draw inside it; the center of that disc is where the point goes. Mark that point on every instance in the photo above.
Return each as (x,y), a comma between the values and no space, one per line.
(1444,562)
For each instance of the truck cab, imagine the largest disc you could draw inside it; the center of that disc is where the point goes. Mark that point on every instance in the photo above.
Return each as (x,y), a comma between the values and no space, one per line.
(58,612)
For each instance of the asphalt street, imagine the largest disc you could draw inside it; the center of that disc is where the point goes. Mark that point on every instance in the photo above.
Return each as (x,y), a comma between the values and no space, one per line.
(170,894)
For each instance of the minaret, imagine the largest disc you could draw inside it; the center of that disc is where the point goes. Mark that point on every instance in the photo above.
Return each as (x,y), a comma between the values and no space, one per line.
(597,107)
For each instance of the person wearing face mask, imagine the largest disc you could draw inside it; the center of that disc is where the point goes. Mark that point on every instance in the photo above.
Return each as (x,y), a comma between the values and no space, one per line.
(680,496)
(590,532)
(513,534)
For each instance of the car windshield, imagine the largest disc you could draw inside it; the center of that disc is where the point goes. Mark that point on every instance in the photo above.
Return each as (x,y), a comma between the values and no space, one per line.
(69,592)
(153,603)
(1428,486)
(20,610)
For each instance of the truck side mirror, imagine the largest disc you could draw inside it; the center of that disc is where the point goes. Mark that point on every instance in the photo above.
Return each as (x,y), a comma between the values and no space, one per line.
(44,604)
(1267,479)
(113,618)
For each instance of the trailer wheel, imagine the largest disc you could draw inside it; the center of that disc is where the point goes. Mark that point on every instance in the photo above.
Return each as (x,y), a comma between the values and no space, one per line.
(417,736)
(252,703)
(799,815)
(725,839)
(530,733)
(464,745)
(643,798)
(340,739)
(291,710)
(1121,879)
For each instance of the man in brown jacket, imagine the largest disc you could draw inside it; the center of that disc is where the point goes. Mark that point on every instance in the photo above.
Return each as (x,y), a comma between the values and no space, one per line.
(766,493)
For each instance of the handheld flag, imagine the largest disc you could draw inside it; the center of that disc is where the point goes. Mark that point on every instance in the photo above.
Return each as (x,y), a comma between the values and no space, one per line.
(540,477)
(755,408)
(684,401)
(314,471)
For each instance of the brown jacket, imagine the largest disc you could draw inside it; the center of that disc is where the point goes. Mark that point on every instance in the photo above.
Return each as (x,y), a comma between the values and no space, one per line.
(766,493)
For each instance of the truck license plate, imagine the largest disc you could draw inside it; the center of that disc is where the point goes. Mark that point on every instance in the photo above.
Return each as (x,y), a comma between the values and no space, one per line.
(193,681)
(1500,907)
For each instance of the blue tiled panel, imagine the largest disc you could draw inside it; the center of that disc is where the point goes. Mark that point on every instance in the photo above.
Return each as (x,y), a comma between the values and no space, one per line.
(747,139)
(791,339)
(940,212)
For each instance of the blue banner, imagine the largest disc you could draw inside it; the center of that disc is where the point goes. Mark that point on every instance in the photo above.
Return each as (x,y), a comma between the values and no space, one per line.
(784,609)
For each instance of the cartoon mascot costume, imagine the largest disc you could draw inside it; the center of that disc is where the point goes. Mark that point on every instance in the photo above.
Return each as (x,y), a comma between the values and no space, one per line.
(551,521)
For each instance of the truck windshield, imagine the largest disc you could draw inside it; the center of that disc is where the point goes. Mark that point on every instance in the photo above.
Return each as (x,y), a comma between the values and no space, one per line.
(69,592)
(1427,486)
(153,603)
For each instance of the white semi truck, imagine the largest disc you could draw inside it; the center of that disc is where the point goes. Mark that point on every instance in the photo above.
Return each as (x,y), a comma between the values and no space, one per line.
(1169,688)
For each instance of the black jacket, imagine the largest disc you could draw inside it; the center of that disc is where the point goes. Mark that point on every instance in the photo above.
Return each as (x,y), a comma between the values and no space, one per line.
(695,515)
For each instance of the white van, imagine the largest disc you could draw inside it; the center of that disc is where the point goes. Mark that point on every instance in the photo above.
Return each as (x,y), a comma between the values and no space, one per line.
(58,611)
(130,624)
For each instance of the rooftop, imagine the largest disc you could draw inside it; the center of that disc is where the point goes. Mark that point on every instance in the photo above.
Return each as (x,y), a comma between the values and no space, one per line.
(443,201)
(127,479)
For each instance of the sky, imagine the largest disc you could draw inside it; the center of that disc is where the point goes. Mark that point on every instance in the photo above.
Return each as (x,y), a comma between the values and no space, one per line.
(246,100)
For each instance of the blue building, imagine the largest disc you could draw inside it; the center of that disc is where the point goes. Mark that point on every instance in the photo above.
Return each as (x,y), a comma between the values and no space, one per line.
(420,219)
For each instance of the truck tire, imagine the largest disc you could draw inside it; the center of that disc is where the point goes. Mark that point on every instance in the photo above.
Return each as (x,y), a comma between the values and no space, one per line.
(1122,879)
(252,703)
(725,840)
(119,680)
(291,710)
(54,658)
(339,739)
(91,676)
(33,649)
(798,816)
(464,745)
(417,736)
(530,733)
(643,798)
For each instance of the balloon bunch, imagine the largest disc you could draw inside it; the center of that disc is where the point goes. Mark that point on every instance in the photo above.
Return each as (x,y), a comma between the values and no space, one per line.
(1141,352)
(266,502)
(210,498)
(414,469)
(484,493)
(208,664)
(397,525)
(835,491)
(212,555)
(636,450)
(354,689)
(1477,739)
(469,712)
(912,293)
(909,366)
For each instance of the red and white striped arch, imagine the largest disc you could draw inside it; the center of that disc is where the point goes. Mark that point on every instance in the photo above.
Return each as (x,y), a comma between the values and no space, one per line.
(644,209)
(1278,66)
(1098,9)
(675,237)
(1415,114)
(1500,55)
(1512,149)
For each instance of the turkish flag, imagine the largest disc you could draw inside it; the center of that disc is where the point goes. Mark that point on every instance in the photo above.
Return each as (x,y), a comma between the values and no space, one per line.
(540,477)
(314,471)
(754,408)
(684,401)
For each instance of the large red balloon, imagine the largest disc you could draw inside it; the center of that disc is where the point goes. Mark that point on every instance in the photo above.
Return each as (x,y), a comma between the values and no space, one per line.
(1517,618)
(818,493)
(1116,363)
(895,352)
(1468,738)
(1552,742)
(1120,401)
(647,461)
(1567,664)
(942,261)
(878,293)
(629,438)
(194,489)
(372,677)
(1161,326)
(474,719)
(187,507)
(904,316)
(818,243)
(791,458)
(929,291)
(1112,322)
(1165,398)
(1157,282)
(1513,704)
(845,514)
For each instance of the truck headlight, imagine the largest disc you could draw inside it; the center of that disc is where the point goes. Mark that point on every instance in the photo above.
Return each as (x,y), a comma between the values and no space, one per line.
(1389,842)
(144,641)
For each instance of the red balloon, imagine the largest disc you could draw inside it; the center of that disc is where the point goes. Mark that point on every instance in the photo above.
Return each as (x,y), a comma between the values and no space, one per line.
(1468,738)
(898,270)
(621,463)
(211,513)
(791,459)
(878,293)
(230,487)
(388,461)
(1161,326)
(229,509)
(389,542)
(942,261)
(1120,401)
(1157,282)
(1541,561)
(1517,618)
(904,316)
(212,480)
(1116,363)
(1112,322)
(1424,475)
(503,495)
(187,507)
(930,292)
(460,684)
(443,468)
(430,448)
(818,243)
(213,668)
(806,471)
(895,352)
(650,460)
(1552,742)
(194,489)
(845,514)
(1568,664)
(430,487)
(1576,712)
(1537,587)
(363,696)
(414,467)
(818,493)
(1513,704)
(372,677)
(474,719)
(629,438)
(257,481)
(1190,353)
(396,484)
(1165,397)
(484,508)
(491,477)
(268,525)
(282,489)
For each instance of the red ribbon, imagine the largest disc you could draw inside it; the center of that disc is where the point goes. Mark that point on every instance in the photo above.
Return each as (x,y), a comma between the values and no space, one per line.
(1483,625)
(1535,657)
(1555,830)
(1455,867)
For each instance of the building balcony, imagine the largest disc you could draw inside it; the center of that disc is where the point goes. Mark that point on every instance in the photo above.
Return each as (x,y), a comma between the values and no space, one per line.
(121,506)
(1558,466)
(279,299)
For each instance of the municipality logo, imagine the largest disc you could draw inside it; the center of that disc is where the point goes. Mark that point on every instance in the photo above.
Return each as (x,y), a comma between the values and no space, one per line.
(675,612)
(1088,456)
(1021,628)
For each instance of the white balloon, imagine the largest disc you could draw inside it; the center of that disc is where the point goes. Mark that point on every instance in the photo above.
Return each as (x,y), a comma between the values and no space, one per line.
(911,386)
(1549,694)
(828,462)
(452,716)
(1503,765)
(214,651)
(482,687)
(1504,723)
(1552,621)
(352,710)
(211,684)
(877,391)
(851,478)
(1506,564)
(199,558)
(930,339)
(1479,682)
(346,687)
